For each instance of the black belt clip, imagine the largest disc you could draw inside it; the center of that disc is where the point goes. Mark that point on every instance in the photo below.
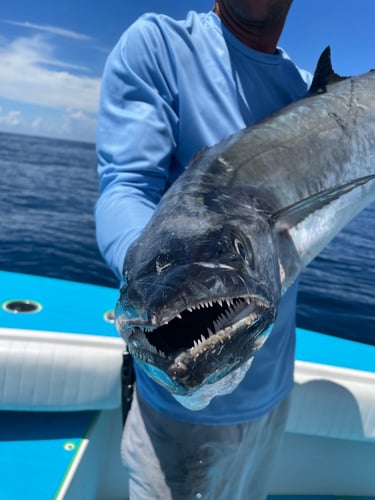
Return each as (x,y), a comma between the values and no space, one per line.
(127,383)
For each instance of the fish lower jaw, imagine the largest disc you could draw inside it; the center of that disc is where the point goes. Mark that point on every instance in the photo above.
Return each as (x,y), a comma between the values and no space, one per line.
(222,334)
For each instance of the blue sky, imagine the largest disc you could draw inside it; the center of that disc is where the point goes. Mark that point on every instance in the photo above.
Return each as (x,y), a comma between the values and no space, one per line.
(52,53)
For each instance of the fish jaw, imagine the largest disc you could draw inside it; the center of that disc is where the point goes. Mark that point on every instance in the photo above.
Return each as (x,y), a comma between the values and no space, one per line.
(219,336)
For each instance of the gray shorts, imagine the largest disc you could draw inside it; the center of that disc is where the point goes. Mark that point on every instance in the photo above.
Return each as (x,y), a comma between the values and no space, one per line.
(167,459)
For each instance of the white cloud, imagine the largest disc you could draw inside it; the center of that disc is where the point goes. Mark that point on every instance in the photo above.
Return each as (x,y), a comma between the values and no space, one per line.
(53,30)
(12,118)
(77,122)
(63,104)
(23,77)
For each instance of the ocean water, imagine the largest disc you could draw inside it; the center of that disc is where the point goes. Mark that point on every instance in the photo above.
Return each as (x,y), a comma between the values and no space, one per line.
(48,190)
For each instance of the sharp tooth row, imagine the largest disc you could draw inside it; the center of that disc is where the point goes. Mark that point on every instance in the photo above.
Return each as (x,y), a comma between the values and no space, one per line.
(229,303)
(145,344)
(223,318)
(200,341)
(210,303)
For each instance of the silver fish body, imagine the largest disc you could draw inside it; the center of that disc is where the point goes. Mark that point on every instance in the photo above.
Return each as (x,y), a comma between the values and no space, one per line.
(203,282)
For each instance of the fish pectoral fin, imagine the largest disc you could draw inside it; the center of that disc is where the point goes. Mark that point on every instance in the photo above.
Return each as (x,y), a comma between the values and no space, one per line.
(290,216)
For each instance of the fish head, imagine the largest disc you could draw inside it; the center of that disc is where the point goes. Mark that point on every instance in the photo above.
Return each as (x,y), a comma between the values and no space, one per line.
(198,300)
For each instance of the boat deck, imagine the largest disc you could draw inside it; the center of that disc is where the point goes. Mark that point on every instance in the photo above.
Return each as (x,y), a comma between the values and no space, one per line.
(60,424)
(50,456)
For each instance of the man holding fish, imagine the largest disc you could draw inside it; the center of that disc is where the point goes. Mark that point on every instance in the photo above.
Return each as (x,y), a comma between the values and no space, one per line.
(171,88)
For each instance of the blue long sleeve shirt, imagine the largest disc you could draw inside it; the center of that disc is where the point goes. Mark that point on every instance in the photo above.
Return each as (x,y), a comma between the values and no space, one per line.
(169,89)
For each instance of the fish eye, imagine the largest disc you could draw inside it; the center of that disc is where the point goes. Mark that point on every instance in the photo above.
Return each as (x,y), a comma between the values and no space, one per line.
(246,253)
(238,246)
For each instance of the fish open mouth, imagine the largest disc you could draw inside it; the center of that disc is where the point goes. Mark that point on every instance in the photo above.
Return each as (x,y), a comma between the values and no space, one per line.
(201,333)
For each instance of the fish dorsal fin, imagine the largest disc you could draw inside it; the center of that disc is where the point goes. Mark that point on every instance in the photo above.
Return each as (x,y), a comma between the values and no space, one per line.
(324,74)
(285,218)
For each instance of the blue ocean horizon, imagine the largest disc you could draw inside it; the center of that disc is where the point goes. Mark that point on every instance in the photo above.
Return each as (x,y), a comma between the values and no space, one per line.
(48,193)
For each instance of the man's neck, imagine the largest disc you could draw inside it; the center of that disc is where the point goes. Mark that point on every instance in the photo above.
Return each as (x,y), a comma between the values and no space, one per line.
(261,36)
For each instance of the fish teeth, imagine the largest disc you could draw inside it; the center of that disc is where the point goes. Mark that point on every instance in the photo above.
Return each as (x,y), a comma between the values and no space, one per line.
(208,304)
(198,342)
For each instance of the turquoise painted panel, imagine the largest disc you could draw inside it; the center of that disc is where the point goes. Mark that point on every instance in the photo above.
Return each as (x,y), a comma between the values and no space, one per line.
(325,349)
(66,306)
(36,451)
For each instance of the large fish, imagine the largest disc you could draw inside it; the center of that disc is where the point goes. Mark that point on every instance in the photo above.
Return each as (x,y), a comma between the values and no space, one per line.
(203,282)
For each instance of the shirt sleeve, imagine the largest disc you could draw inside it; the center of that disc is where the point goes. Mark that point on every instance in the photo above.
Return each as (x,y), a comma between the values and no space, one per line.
(136,138)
